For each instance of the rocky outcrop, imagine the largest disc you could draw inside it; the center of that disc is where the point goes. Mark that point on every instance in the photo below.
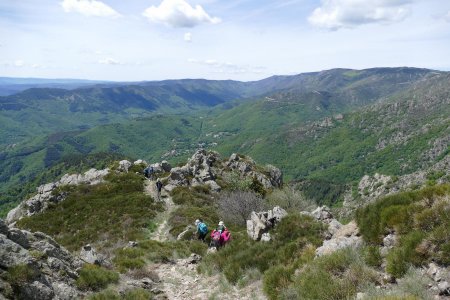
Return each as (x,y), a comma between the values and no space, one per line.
(270,177)
(338,236)
(197,171)
(89,255)
(46,193)
(124,165)
(48,270)
(440,279)
(204,167)
(374,187)
(261,222)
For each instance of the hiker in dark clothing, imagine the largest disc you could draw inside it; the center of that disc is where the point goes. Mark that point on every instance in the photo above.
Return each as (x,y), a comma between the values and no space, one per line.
(158,188)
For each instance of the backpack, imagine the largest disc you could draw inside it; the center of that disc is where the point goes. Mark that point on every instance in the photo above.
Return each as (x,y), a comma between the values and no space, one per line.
(216,235)
(203,228)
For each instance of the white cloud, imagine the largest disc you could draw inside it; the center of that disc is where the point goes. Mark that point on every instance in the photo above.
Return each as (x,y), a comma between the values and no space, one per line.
(19,63)
(179,13)
(336,14)
(109,61)
(227,67)
(188,37)
(447,16)
(89,8)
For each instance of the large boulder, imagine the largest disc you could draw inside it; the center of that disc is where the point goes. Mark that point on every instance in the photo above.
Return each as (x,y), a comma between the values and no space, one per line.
(346,236)
(262,222)
(124,165)
(53,270)
(89,254)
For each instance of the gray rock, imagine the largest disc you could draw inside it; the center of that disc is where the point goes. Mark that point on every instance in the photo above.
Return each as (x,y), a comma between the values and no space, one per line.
(166,166)
(124,165)
(19,237)
(323,214)
(36,291)
(89,254)
(132,244)
(64,291)
(444,288)
(11,253)
(213,185)
(265,237)
(346,236)
(3,228)
(334,244)
(255,227)
(261,222)
(193,259)
(144,283)
(139,162)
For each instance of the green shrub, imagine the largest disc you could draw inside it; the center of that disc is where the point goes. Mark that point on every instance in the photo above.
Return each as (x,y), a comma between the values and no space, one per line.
(400,258)
(336,276)
(20,274)
(137,294)
(105,295)
(95,278)
(129,258)
(372,256)
(276,279)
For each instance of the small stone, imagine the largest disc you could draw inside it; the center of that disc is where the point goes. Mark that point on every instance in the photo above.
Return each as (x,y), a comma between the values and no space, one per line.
(444,288)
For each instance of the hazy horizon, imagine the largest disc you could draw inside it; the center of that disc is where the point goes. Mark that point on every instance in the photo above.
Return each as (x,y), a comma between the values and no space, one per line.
(244,40)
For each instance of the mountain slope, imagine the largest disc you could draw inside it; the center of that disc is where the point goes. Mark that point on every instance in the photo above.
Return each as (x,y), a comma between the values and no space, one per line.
(326,133)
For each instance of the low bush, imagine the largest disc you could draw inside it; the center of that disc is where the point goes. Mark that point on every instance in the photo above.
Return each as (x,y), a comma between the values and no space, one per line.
(129,258)
(235,207)
(95,278)
(19,274)
(290,199)
(277,279)
(337,276)
(401,257)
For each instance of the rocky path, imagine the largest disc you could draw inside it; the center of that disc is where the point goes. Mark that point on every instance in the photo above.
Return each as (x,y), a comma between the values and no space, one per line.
(161,233)
(180,280)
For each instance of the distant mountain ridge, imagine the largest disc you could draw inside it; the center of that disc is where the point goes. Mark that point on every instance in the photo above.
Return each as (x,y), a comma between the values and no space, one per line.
(307,124)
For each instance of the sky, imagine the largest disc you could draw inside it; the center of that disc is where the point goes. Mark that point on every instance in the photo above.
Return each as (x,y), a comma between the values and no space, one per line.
(244,40)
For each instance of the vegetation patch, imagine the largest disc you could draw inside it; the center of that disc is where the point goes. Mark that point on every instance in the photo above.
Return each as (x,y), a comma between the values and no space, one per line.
(122,211)
(153,251)
(291,246)
(420,219)
(95,278)
(339,275)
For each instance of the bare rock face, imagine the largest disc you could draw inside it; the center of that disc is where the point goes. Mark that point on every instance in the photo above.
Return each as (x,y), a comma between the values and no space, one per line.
(261,222)
(198,170)
(46,194)
(124,165)
(89,254)
(270,177)
(52,269)
(338,236)
(140,162)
